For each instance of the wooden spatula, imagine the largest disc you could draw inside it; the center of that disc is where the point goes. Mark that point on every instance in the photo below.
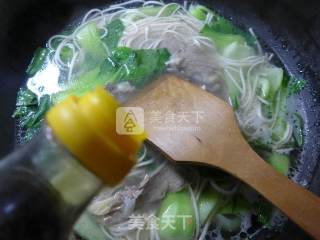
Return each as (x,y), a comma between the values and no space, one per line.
(189,124)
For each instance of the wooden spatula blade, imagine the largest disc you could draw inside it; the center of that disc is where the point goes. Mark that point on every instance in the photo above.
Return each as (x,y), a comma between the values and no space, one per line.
(185,120)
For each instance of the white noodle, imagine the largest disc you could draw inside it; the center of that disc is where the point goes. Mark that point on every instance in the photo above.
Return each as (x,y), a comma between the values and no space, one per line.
(207,224)
(196,211)
(106,232)
(221,190)
(201,188)
(87,16)
(260,51)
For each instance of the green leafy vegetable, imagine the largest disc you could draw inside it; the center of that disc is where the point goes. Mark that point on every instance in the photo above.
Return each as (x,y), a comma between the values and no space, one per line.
(135,66)
(289,86)
(66,54)
(229,217)
(279,129)
(36,116)
(236,50)
(263,210)
(37,61)
(264,88)
(261,145)
(115,31)
(270,79)
(280,162)
(124,64)
(200,12)
(83,84)
(208,201)
(89,40)
(220,39)
(281,124)
(276,87)
(223,25)
(220,29)
(176,206)
(87,228)
(25,98)
(238,205)
(30,111)
(233,91)
(295,85)
(298,129)
(28,134)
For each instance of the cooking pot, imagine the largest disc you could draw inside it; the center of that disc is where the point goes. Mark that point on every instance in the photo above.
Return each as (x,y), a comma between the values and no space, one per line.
(288,28)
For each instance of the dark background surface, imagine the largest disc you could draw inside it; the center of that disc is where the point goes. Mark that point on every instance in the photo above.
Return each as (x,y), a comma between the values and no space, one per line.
(293,32)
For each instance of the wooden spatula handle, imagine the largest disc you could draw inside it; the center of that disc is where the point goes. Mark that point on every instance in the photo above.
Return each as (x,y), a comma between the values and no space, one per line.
(300,205)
